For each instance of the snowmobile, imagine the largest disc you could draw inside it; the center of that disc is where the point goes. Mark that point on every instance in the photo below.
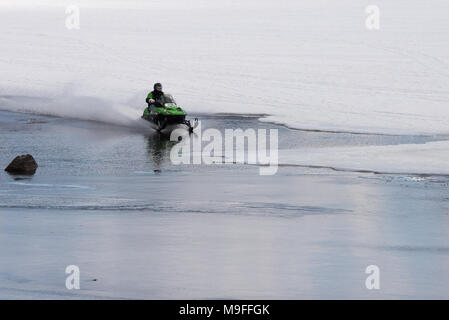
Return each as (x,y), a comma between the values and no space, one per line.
(168,115)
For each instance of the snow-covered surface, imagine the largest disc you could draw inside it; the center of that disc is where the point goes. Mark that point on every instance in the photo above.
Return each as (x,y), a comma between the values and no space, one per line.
(430,158)
(307,64)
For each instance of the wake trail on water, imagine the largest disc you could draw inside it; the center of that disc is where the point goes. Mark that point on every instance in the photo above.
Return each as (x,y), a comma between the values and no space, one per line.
(80,107)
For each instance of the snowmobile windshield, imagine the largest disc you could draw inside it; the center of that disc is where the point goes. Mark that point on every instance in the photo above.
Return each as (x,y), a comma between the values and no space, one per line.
(169,98)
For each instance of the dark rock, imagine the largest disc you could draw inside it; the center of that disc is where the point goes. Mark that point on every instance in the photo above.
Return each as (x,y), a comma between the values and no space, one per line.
(24,164)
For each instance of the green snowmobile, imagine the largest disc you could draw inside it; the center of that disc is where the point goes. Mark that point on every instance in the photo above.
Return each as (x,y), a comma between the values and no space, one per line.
(168,114)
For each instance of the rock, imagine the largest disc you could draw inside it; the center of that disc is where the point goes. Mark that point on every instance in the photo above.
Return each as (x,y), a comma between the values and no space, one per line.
(24,164)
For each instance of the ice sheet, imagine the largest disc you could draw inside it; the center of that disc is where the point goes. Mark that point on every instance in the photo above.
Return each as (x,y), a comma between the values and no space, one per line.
(426,159)
(308,64)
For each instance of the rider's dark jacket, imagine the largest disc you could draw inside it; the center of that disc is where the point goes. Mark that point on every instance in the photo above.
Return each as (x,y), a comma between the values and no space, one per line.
(157,96)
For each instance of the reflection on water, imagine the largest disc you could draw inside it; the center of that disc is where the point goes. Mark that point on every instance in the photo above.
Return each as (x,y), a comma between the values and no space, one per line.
(158,148)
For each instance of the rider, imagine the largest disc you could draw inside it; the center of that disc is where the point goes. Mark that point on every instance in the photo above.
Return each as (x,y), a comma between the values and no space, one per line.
(156,98)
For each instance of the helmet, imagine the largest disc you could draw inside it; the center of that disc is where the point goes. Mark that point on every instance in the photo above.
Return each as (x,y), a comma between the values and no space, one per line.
(157,85)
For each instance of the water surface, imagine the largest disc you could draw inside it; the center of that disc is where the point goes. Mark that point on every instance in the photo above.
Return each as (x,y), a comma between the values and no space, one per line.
(107,199)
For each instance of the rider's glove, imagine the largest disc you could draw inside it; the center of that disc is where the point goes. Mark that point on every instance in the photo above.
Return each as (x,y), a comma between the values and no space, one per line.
(151,101)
